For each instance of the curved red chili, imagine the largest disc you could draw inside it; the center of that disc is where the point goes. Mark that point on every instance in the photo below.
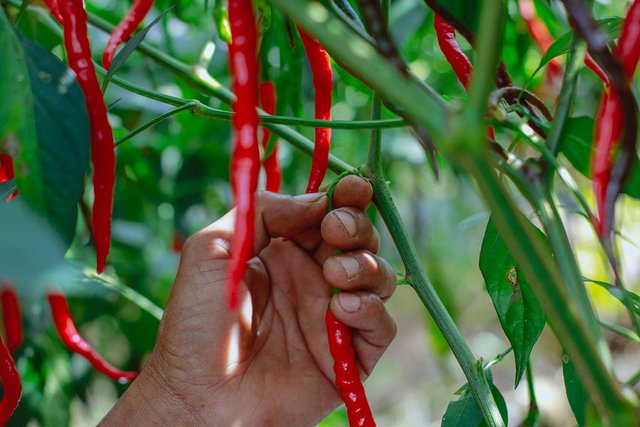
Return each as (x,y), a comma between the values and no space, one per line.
(55,11)
(245,161)
(125,29)
(11,384)
(347,373)
(103,158)
(608,126)
(270,163)
(452,51)
(11,317)
(449,46)
(323,83)
(7,172)
(73,340)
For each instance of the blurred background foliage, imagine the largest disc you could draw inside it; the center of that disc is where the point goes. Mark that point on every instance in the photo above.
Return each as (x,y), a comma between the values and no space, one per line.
(172,180)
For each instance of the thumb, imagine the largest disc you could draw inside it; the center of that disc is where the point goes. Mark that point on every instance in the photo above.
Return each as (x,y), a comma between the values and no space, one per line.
(276,215)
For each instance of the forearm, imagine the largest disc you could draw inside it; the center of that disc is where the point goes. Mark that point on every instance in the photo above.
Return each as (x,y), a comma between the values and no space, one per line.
(149,402)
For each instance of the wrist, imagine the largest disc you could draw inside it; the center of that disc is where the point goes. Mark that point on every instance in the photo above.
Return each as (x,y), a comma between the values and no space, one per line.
(150,401)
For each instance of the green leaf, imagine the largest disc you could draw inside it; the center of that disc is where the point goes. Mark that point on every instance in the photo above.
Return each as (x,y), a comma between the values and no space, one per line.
(17,123)
(576,393)
(619,294)
(610,26)
(576,144)
(62,148)
(130,46)
(520,314)
(465,412)
(29,248)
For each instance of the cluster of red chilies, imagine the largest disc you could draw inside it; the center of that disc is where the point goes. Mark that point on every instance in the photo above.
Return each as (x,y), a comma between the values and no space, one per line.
(609,119)
(245,165)
(12,321)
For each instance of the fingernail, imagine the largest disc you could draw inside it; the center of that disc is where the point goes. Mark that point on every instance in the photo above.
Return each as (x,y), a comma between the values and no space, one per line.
(351,267)
(348,222)
(349,302)
(311,197)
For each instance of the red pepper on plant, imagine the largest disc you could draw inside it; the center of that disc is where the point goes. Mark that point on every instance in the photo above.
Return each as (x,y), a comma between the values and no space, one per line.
(245,161)
(270,162)
(11,317)
(55,11)
(323,83)
(460,63)
(11,384)
(102,147)
(347,373)
(73,340)
(125,29)
(609,119)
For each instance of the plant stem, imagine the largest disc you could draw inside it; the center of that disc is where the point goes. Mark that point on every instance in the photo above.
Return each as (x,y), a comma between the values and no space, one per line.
(565,100)
(423,287)
(488,47)
(417,278)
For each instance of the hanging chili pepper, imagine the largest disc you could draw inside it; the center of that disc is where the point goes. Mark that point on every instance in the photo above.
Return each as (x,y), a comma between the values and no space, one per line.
(55,11)
(270,162)
(541,37)
(347,373)
(345,366)
(7,172)
(323,84)
(102,147)
(609,119)
(11,317)
(11,384)
(125,29)
(449,46)
(73,341)
(245,161)
(460,63)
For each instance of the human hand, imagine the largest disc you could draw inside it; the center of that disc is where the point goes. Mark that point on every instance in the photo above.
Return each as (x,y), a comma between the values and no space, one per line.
(267,363)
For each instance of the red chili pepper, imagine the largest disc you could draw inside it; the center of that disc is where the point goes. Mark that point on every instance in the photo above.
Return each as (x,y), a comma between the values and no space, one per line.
(245,162)
(460,63)
(7,172)
(347,374)
(449,46)
(541,36)
(125,29)
(11,317)
(11,384)
(102,147)
(323,83)
(74,342)
(271,166)
(55,11)
(609,119)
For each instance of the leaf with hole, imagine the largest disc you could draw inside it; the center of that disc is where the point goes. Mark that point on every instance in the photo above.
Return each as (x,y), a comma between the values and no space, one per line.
(518,310)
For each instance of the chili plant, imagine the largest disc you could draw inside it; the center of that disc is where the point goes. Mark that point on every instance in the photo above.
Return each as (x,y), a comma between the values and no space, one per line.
(438,104)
